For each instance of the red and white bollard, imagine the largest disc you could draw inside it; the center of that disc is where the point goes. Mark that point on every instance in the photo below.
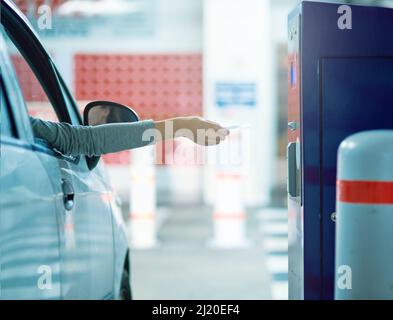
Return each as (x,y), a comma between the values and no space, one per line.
(364,233)
(229,216)
(185,173)
(143,199)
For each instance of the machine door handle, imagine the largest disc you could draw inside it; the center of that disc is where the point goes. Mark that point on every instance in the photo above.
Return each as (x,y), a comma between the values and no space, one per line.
(68,194)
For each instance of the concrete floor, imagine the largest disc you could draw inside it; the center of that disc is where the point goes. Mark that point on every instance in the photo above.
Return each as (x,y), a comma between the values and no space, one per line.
(183,266)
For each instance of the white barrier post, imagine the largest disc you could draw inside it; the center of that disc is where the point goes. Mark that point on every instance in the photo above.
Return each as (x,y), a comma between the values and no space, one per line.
(185,174)
(229,216)
(143,199)
(364,231)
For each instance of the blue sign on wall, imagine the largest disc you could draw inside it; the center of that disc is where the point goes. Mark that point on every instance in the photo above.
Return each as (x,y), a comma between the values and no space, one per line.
(235,94)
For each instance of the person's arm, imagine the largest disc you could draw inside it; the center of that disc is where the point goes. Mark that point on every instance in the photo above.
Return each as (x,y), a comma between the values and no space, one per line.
(77,140)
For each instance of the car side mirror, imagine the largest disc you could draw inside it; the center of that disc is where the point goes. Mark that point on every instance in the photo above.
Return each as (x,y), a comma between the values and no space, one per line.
(104,112)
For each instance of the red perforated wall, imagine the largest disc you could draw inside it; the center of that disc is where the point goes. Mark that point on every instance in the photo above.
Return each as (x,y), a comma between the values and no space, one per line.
(158,86)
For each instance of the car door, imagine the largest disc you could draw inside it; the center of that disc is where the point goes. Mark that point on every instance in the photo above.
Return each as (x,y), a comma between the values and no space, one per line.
(83,207)
(88,246)
(29,238)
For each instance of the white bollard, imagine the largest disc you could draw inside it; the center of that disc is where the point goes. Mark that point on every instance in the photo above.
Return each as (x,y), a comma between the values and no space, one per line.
(364,233)
(143,199)
(185,173)
(229,216)
(185,184)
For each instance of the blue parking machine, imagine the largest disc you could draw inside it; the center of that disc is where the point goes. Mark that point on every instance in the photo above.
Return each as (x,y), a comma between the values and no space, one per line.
(340,82)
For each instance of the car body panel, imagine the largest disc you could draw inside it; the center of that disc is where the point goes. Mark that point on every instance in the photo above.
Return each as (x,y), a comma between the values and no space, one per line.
(29,246)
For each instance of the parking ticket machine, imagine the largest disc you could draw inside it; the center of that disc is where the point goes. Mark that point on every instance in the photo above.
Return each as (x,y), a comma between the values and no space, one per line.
(340,81)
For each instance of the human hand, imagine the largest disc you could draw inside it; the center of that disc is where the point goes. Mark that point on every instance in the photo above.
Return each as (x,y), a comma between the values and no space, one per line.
(196,129)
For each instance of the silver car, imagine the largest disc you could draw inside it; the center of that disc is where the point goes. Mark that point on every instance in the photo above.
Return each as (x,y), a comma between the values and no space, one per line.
(62,234)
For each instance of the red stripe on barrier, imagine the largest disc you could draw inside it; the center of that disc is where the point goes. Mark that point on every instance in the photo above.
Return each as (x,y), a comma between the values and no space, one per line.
(69,226)
(234,216)
(365,192)
(136,216)
(233,176)
(106,197)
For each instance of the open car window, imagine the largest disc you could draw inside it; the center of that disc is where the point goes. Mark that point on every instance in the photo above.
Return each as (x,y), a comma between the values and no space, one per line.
(37,102)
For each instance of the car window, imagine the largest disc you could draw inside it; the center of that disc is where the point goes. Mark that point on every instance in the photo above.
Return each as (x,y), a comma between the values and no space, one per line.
(36,100)
(5,122)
